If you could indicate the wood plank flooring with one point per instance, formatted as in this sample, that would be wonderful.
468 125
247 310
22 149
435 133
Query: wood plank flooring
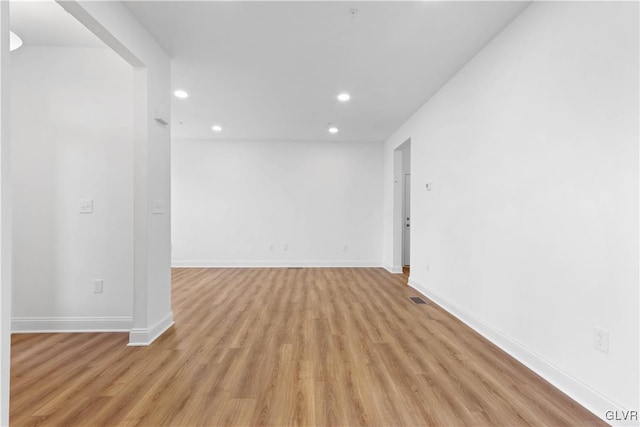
285 347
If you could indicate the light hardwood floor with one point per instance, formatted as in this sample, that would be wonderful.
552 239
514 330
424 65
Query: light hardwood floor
281 347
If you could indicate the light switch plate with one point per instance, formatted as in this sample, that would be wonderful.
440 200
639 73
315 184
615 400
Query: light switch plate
158 207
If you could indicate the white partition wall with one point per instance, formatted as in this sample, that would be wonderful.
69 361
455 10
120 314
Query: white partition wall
277 203
114 24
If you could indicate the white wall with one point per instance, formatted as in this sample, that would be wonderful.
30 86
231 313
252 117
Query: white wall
530 233
72 139
233 200
5 217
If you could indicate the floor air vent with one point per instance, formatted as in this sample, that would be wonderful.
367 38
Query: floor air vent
417 300
295 268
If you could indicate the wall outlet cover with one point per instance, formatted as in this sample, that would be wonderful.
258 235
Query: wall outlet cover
97 286
601 340
85 206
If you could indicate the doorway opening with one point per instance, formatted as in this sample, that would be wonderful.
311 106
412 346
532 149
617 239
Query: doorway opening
402 208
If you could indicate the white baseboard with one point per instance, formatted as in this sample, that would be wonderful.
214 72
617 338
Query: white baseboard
581 393
273 264
145 336
395 269
25 325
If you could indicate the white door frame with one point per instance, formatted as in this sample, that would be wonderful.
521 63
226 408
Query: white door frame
406 219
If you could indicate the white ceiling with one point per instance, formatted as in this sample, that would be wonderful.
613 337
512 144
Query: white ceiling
272 70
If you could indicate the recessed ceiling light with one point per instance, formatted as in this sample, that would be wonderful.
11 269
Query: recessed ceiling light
344 97
14 41
181 94
333 130
216 128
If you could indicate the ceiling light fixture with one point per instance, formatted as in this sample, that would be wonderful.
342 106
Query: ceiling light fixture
333 129
216 128
344 97
181 94
14 41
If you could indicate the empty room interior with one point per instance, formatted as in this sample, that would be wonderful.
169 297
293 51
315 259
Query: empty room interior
319 213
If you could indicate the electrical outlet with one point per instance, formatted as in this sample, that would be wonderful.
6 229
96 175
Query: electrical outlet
271 247
345 248
85 206
601 340
97 286
285 247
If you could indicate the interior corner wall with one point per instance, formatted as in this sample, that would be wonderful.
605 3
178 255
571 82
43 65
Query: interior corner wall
276 203
115 25
531 229
72 140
